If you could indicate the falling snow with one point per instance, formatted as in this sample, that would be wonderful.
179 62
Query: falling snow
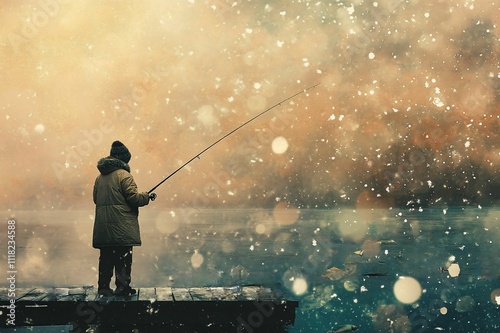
369 197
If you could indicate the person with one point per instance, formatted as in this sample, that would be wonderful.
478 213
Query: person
116 224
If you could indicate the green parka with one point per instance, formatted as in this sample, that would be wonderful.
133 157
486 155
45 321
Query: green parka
117 203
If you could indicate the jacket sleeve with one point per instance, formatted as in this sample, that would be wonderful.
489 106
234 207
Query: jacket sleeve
131 194
95 191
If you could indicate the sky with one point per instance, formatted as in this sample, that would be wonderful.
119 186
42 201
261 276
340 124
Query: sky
405 111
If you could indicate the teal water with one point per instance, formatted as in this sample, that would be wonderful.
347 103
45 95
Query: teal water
344 266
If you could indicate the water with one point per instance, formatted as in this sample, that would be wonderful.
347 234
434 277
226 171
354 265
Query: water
341 264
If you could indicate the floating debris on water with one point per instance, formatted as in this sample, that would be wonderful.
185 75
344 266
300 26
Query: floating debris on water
239 273
374 274
387 241
319 298
335 273
345 328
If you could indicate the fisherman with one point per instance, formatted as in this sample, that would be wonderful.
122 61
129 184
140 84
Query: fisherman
116 225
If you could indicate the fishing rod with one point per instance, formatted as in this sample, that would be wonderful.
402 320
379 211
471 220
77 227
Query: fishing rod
228 134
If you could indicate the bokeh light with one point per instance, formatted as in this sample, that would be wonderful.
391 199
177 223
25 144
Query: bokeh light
454 270
279 145
39 129
285 214
407 290
495 296
167 222
465 303
197 260
260 228
300 286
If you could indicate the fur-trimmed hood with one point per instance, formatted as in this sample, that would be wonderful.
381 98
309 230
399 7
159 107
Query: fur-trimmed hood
109 164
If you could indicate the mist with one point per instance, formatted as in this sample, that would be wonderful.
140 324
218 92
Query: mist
406 111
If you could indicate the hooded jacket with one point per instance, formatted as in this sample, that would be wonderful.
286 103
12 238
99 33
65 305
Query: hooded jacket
117 203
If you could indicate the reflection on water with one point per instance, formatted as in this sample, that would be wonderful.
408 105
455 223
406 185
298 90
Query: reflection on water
384 270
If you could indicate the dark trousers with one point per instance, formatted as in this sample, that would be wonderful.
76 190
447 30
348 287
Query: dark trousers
119 259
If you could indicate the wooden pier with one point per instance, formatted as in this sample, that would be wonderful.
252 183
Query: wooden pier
238 309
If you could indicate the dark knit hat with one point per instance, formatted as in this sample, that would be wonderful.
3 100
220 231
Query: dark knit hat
119 151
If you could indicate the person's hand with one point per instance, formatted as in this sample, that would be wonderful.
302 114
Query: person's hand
152 196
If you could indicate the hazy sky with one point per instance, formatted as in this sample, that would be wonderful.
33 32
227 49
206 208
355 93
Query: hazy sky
407 110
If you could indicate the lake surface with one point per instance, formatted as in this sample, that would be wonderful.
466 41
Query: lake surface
396 270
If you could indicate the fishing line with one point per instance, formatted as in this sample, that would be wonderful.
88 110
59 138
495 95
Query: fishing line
228 134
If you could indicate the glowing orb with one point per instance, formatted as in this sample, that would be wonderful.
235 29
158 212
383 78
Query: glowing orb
260 228
299 286
279 145
407 290
39 129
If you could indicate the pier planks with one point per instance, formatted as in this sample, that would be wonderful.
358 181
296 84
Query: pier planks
205 309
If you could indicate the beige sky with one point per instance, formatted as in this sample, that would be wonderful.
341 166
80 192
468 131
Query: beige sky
407 106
